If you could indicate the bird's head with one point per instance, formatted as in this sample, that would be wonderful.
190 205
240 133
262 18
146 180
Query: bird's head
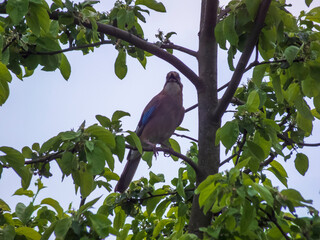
173 83
173 77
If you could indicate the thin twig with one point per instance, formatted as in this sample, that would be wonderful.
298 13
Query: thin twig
179 48
70 48
191 108
171 152
185 136
244 138
272 219
228 159
46 158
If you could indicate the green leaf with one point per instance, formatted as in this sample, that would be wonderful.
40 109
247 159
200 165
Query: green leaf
24 213
264 193
119 219
17 9
308 2
253 101
304 124
120 147
277 88
69 135
13 157
86 182
228 134
155 178
119 114
162 207
152 4
102 134
65 67
136 140
220 36
176 147
4 206
62 227
120 66
28 232
301 163
294 195
5 77
88 205
23 192
100 224
229 30
67 163
160 225
55 204
8 233
252 7
96 161
256 150
316 103
290 53
247 217
153 202
104 121
258 73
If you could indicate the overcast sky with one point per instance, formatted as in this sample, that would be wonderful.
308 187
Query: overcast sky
45 104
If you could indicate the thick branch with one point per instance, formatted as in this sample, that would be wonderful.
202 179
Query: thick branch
179 48
243 61
139 43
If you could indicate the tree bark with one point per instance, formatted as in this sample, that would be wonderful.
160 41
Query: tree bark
209 154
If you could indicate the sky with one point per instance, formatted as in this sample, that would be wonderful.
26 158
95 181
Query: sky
44 104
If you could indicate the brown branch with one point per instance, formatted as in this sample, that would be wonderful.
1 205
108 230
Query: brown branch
171 152
139 43
234 100
70 48
243 61
45 159
185 136
256 63
289 141
275 222
237 153
191 108
223 13
179 48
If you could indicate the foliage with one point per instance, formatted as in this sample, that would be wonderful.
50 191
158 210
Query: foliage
275 112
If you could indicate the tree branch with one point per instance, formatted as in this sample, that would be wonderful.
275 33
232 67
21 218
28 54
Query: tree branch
70 48
139 43
179 48
171 152
44 159
256 63
272 219
184 136
243 61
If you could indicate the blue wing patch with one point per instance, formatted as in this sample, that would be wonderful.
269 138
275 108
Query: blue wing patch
146 116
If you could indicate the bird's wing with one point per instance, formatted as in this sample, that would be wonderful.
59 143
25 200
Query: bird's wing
148 113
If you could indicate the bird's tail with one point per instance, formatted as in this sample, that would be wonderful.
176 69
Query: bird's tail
128 172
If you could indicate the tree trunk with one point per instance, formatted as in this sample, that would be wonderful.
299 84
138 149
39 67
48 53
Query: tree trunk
209 154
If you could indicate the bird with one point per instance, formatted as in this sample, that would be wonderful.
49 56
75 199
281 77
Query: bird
159 119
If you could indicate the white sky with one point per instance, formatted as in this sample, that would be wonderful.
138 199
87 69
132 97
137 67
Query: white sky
44 105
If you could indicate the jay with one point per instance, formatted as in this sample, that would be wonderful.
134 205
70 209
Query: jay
158 121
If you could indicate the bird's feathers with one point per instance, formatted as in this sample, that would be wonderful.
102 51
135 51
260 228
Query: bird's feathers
162 115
